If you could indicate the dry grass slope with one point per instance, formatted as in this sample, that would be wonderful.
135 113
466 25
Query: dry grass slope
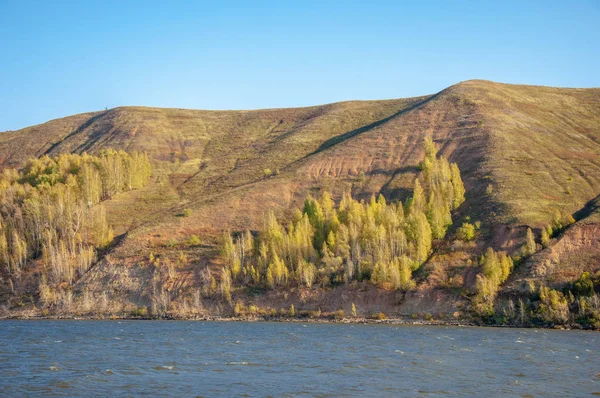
524 152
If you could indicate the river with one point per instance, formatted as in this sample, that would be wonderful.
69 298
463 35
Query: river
177 359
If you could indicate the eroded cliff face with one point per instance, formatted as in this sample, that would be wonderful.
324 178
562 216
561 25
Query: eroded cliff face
566 257
576 251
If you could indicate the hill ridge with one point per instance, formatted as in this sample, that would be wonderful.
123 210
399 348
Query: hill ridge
525 153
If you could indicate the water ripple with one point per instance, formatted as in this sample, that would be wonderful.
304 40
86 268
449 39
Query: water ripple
107 358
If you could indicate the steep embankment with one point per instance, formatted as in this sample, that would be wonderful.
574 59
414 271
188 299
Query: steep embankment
525 152
565 258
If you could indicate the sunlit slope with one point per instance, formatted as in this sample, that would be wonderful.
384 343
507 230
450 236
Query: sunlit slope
524 152
575 251
537 148
544 148
18 146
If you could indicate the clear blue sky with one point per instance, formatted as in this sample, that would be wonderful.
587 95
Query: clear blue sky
59 58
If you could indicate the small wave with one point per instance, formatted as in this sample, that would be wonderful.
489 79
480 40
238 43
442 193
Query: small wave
58 341
117 338
399 351
62 384
54 368
519 341
109 372
164 367
443 392
244 363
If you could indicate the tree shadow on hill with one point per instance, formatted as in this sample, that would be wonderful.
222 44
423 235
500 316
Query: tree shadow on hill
350 134
78 130
590 208
397 193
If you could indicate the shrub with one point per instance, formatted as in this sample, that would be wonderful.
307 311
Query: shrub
239 309
546 236
268 312
530 247
184 213
194 240
140 312
554 307
584 285
466 232
380 316
182 259
361 176
253 309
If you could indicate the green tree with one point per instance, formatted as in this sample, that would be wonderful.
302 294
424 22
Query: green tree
545 237
417 202
486 293
530 246
466 232
584 286
420 231
554 306
357 240
47 210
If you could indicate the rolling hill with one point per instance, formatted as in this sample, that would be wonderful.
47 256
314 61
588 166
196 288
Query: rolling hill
525 153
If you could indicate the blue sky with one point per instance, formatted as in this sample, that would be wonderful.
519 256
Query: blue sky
61 58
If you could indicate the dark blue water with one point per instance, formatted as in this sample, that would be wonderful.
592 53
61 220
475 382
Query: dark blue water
132 358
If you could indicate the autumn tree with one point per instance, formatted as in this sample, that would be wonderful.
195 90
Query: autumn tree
48 210
466 232
375 240
495 269
530 246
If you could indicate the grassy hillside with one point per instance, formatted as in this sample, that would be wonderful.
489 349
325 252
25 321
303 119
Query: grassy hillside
525 153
